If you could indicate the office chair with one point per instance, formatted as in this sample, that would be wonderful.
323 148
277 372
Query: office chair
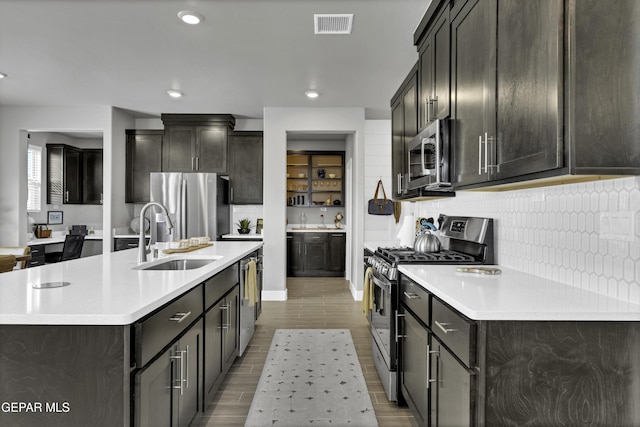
71 249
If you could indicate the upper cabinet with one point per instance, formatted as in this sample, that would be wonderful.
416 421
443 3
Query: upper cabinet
315 178
434 68
143 156
74 175
245 168
603 95
196 142
404 126
529 88
507 89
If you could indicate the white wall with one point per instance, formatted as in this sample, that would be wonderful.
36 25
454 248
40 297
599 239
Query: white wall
555 232
277 122
377 166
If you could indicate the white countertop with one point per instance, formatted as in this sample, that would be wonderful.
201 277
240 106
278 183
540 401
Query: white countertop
514 295
104 289
314 228
59 239
250 236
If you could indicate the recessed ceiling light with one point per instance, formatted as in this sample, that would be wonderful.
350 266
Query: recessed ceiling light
2 75
190 17
312 94
174 93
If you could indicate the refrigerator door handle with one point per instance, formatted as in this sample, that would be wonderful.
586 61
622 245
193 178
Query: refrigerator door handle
183 210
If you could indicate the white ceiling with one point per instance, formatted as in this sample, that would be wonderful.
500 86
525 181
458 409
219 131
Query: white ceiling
246 55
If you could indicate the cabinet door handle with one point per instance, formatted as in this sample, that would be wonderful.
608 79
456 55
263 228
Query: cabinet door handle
411 295
429 353
443 327
186 367
197 163
399 180
486 153
179 317
66 196
480 155
179 356
193 163
398 336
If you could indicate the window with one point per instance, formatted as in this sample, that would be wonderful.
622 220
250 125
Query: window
34 177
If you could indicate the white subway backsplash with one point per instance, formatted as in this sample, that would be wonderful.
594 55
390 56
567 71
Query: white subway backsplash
554 232
238 212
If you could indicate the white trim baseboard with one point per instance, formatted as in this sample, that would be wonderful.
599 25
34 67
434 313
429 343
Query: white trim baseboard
274 295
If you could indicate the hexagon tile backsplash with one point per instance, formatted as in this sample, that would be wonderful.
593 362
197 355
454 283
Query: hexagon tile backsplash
586 234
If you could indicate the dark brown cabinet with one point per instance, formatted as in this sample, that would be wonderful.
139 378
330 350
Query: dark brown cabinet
457 371
143 156
434 68
245 168
222 302
92 176
196 142
404 126
74 175
319 254
507 87
603 100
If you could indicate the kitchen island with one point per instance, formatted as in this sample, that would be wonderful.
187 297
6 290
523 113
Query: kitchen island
516 349
74 355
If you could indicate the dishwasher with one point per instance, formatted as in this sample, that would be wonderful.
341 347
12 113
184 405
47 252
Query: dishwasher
248 312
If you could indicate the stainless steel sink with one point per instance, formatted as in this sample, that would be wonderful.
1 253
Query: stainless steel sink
178 264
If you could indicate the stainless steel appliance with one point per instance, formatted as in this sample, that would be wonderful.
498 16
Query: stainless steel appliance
198 204
465 240
249 313
428 158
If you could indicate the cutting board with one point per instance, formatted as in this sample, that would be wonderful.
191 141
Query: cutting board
189 249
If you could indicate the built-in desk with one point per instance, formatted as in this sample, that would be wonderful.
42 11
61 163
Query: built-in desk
54 243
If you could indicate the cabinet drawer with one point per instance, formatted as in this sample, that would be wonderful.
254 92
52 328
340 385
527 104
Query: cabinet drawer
416 298
162 327
454 330
218 285
37 251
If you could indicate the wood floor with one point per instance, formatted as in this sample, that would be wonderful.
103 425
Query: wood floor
313 303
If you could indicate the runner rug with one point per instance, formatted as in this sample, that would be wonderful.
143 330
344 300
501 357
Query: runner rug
311 377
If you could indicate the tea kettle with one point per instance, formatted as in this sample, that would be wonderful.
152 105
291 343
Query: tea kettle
426 242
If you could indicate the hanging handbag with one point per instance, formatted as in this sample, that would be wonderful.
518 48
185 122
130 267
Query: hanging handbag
382 206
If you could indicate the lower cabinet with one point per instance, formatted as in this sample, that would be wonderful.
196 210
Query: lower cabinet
37 256
455 371
316 254
166 391
221 320
122 243
168 349
413 378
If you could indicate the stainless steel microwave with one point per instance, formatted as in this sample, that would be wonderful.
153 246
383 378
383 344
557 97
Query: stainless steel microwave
428 158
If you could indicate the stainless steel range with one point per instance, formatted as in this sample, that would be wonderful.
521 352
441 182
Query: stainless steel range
465 240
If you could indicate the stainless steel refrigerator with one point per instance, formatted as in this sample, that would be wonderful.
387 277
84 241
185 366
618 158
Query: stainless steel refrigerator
198 204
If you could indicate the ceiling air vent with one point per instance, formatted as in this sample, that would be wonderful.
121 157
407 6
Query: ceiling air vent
333 23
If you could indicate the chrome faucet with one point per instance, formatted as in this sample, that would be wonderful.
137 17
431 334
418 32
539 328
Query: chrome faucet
143 249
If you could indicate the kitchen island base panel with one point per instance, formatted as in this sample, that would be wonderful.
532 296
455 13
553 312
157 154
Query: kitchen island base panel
64 375
562 373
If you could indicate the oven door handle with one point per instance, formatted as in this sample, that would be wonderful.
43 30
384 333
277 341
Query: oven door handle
381 284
